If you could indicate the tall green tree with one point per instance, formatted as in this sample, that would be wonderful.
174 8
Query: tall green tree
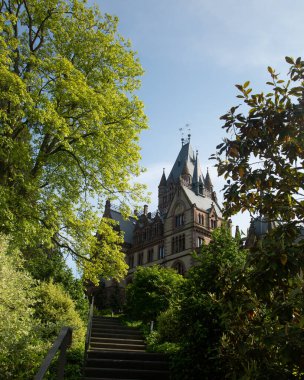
198 316
263 158
263 161
69 127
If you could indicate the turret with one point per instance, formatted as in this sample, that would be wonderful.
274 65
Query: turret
162 192
208 183
195 181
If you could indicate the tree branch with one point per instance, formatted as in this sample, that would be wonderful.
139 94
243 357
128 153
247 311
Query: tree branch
71 250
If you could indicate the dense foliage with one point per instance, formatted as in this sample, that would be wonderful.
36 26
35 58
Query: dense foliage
239 314
31 315
150 292
20 345
69 128
197 315
49 265
54 309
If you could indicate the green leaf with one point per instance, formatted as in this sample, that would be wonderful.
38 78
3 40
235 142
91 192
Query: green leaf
246 84
289 60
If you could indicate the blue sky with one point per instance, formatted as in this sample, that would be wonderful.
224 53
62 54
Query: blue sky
193 53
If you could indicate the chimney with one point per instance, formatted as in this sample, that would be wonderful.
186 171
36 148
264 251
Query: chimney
145 210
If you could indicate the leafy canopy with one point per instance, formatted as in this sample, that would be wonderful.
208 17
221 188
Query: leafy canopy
264 155
151 291
69 125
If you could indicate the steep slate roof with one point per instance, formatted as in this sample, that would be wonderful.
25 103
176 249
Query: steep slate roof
186 161
127 226
208 182
201 202
163 181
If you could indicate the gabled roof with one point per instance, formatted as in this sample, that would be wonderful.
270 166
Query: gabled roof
203 203
127 226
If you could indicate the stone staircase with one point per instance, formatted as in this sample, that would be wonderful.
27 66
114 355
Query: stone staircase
118 352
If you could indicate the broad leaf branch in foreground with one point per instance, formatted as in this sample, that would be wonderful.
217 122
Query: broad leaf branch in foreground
270 132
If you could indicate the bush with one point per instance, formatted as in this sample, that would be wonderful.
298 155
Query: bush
21 348
151 291
56 309
168 325
48 265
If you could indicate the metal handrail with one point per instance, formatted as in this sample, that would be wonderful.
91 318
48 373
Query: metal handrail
62 343
89 329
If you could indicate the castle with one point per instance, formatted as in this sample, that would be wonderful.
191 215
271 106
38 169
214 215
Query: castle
187 213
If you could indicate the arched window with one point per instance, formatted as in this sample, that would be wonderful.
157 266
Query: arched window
179 267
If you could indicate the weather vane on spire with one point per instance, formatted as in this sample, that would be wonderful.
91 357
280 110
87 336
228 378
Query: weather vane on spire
189 132
182 131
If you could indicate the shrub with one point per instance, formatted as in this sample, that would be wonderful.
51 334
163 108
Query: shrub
151 291
21 348
56 309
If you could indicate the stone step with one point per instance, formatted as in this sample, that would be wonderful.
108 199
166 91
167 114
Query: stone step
119 329
115 335
129 364
116 346
110 322
126 349
144 356
98 339
118 352
121 373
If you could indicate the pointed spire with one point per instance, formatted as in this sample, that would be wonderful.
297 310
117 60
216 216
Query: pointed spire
195 172
195 181
208 182
163 180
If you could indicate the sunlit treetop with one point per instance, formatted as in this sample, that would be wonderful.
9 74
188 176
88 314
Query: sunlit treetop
69 121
